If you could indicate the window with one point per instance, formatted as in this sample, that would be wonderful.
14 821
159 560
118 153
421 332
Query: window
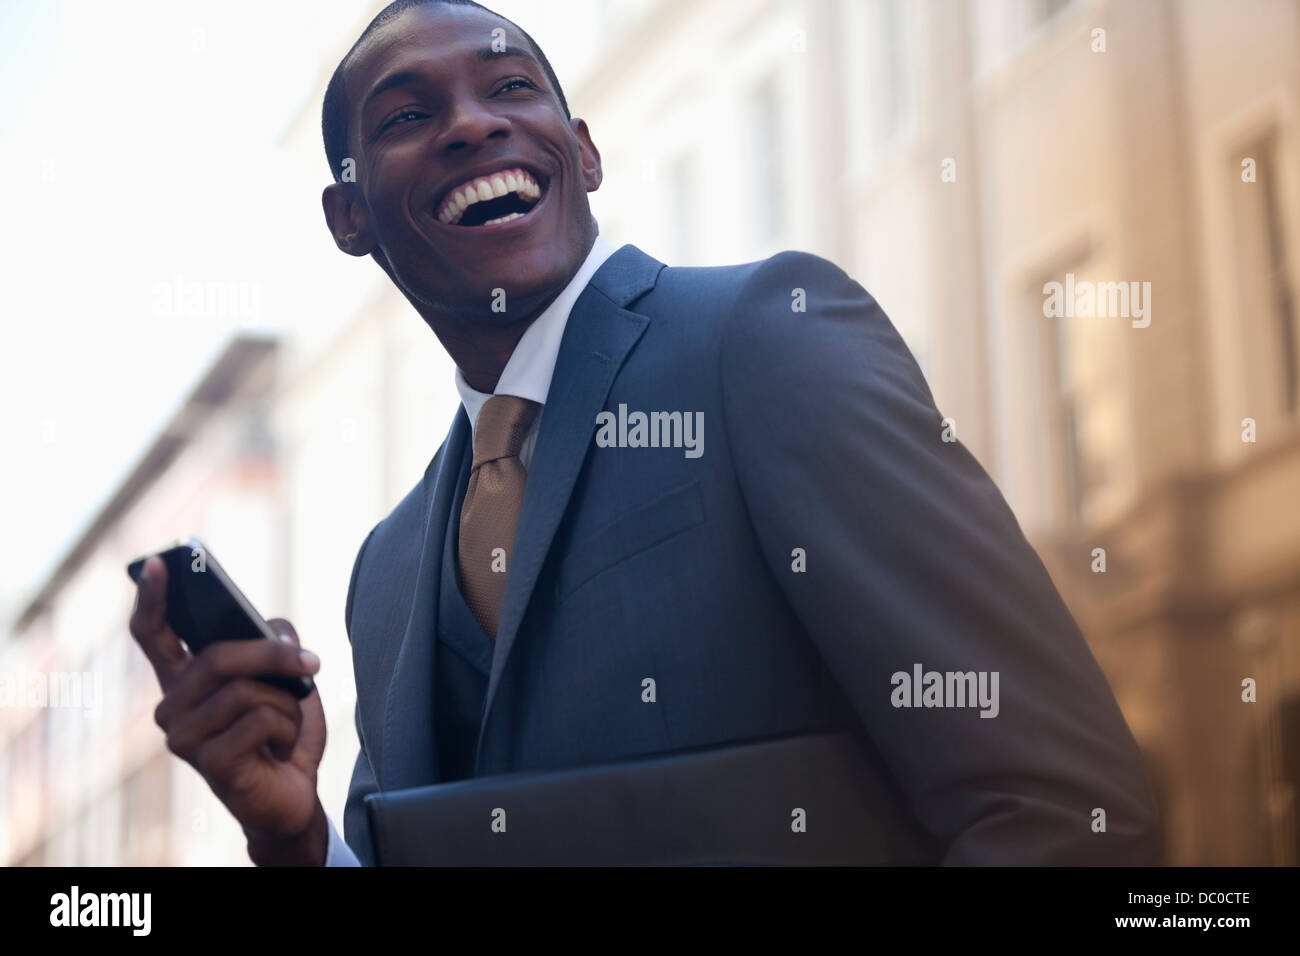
878 52
1004 30
1082 390
684 205
769 197
890 90
1082 472
1266 281
1040 11
146 813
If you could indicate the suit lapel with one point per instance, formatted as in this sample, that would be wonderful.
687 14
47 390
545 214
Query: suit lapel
410 756
597 338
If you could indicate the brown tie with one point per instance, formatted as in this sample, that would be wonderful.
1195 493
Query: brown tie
492 501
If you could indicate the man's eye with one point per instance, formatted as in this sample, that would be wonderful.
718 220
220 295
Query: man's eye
400 117
517 81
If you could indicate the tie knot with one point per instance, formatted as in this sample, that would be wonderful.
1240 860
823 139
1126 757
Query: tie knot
503 422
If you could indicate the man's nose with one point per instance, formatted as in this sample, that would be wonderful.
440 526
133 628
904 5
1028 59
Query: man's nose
470 125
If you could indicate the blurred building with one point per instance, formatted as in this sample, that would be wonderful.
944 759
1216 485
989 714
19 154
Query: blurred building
954 156
85 778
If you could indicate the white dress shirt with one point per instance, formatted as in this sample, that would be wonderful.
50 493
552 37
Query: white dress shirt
527 375
532 363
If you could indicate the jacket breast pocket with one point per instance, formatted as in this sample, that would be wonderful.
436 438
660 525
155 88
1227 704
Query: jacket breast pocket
673 512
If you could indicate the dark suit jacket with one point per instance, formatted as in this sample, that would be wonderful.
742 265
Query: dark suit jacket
639 562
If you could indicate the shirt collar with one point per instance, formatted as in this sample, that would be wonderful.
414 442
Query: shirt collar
532 364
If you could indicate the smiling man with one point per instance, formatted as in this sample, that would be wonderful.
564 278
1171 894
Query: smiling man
496 210
580 578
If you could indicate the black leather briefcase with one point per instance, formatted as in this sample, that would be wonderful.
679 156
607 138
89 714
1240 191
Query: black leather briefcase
799 800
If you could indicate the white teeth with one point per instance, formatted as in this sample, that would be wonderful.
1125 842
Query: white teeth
488 187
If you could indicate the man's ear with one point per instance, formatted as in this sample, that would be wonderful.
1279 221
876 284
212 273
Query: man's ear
348 219
591 171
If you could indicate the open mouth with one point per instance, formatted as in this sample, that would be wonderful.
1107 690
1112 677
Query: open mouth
494 199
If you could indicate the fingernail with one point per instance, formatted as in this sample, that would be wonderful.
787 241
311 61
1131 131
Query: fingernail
309 661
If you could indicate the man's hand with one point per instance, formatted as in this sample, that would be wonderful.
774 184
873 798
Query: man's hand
257 746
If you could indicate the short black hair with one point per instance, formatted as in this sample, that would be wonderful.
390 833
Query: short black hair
334 114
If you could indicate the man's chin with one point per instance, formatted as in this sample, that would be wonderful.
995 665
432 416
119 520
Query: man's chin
498 305
500 289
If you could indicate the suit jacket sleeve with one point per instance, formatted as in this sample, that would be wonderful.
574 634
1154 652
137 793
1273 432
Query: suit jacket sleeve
913 557
356 827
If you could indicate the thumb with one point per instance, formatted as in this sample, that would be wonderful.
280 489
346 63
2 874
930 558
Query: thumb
284 630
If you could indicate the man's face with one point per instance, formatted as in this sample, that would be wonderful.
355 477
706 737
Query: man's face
437 110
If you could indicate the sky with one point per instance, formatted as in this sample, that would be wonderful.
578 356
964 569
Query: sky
138 145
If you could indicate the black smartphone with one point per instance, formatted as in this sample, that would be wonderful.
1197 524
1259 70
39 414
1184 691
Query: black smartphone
204 606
